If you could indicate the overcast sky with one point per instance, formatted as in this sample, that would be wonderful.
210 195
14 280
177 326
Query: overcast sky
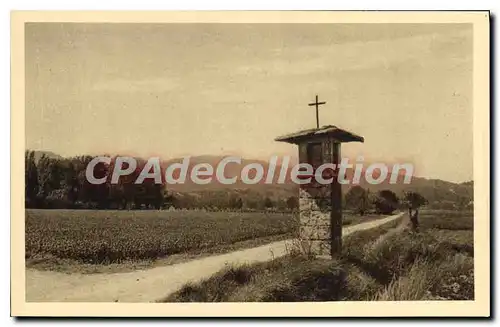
193 89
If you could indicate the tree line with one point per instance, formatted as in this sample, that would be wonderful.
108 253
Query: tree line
61 183
232 200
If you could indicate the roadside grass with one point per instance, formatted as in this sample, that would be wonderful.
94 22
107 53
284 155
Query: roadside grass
386 263
290 278
411 286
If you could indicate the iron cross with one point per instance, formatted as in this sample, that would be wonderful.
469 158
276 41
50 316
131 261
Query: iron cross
317 104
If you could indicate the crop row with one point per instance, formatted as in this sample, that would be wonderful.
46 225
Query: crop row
116 236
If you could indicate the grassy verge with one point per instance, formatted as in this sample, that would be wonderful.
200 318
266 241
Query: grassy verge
385 263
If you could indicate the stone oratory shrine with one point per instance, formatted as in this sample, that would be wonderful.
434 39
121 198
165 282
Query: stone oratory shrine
320 205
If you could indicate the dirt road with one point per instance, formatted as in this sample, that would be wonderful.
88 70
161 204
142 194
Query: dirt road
151 284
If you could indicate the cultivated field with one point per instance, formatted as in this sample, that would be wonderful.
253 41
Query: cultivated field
104 241
107 237
385 263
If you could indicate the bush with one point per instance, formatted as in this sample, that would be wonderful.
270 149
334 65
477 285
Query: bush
386 202
357 200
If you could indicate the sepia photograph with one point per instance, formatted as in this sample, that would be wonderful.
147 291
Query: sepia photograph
333 162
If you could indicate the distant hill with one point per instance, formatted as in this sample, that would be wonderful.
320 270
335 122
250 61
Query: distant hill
232 170
431 189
